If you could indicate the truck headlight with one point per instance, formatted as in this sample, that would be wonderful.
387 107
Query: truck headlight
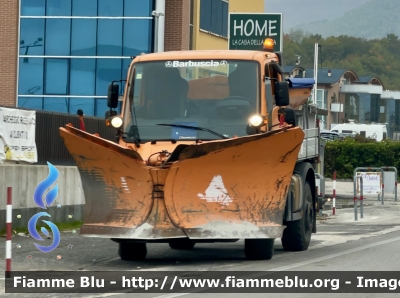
116 122
256 121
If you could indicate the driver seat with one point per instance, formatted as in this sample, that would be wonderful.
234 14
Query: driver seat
166 92
243 81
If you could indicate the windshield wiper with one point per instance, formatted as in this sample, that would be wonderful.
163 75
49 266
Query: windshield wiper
196 128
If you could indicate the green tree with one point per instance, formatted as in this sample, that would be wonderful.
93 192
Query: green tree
379 58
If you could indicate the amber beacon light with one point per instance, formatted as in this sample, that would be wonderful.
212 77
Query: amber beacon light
268 45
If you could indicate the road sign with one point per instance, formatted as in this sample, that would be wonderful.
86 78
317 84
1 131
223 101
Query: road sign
372 182
247 31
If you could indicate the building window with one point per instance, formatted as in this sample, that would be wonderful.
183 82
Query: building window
214 16
321 98
396 116
362 107
322 95
70 51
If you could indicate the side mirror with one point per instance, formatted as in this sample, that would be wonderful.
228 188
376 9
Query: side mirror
290 116
112 96
282 93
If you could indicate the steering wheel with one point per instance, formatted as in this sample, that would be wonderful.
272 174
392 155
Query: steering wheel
237 97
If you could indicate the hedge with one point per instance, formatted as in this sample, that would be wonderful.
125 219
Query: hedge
346 155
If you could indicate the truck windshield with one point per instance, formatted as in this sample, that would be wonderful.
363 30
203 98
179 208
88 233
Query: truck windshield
218 95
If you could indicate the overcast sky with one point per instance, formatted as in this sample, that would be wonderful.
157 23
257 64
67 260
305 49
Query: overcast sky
296 12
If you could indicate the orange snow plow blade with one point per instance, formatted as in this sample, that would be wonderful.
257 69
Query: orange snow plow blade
116 183
233 188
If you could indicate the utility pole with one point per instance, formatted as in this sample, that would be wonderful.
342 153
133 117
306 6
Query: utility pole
316 81
156 15
315 73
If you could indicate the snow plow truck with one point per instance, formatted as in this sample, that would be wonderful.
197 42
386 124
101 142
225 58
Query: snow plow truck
211 146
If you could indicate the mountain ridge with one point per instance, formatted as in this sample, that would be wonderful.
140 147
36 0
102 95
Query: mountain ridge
373 20
296 12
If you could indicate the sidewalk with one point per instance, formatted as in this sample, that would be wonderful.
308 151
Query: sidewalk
345 195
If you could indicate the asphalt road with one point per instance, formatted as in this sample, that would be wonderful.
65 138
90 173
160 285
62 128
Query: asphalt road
341 244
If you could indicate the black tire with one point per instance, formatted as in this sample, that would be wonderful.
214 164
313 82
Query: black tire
182 244
259 249
132 251
297 234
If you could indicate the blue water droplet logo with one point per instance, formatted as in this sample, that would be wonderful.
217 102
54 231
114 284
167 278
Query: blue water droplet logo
44 203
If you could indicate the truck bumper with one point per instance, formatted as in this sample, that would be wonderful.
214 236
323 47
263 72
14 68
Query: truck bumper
216 230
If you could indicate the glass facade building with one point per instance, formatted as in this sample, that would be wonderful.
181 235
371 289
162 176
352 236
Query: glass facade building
392 116
363 107
70 50
371 108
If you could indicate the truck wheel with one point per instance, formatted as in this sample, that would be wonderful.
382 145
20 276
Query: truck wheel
182 244
297 235
259 249
132 251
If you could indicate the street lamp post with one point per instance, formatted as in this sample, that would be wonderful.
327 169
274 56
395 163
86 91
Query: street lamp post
316 80
156 15
315 73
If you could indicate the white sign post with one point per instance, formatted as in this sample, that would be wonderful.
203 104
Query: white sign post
372 182
17 135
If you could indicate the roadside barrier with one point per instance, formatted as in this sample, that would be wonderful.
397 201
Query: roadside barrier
360 178
334 194
373 182
8 232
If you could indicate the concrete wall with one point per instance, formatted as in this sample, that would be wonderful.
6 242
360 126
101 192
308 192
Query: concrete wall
24 179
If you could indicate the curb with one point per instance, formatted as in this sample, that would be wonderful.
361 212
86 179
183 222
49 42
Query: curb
351 198
338 180
344 205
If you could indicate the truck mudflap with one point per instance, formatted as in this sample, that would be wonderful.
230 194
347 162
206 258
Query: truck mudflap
226 189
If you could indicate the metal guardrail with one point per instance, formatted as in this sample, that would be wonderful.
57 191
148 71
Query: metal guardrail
361 197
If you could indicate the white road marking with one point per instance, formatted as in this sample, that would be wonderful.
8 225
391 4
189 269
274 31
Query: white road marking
346 252
105 295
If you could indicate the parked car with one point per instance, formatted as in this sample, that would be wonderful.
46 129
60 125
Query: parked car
330 136
373 131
